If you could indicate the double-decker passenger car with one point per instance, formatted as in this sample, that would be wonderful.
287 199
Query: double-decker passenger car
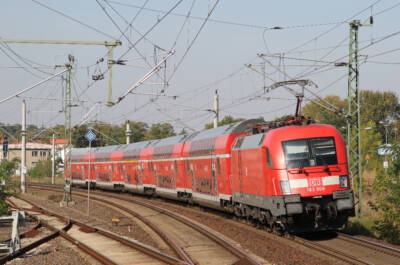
290 175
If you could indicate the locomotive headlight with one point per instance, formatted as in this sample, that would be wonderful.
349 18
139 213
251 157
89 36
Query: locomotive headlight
285 186
344 182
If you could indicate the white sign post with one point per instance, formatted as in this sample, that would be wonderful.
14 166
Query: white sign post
90 136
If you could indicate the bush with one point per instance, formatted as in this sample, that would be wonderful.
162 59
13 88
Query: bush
41 170
387 185
7 168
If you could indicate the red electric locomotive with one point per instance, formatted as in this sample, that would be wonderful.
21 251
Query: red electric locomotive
290 175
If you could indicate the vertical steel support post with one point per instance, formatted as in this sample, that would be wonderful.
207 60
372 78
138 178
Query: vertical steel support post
23 149
110 63
89 180
53 161
68 104
353 113
216 109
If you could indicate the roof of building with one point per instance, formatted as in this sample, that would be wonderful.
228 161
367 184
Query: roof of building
60 141
31 146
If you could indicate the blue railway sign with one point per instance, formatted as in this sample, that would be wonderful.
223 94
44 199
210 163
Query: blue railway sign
90 136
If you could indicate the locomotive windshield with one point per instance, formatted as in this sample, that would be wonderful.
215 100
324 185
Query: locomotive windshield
310 152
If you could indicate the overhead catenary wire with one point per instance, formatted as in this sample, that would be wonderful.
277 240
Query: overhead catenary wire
123 32
220 21
129 24
24 60
210 88
334 27
74 19
305 73
183 24
194 39
175 119
19 65
139 40
33 86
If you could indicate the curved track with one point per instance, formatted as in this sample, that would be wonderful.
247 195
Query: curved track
200 244
353 250
106 247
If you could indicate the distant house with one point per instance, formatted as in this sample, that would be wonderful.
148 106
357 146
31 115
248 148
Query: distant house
35 152
60 144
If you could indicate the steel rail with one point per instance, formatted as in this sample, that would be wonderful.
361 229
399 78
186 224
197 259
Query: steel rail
243 256
31 246
56 233
27 233
347 258
372 245
168 240
101 258
203 230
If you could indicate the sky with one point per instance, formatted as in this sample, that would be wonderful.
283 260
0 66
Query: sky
300 40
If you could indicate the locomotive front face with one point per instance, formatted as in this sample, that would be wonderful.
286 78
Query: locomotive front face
311 166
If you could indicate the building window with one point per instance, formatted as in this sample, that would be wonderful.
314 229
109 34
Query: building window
42 153
34 153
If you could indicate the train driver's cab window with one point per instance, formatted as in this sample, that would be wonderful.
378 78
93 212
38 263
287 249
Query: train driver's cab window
310 152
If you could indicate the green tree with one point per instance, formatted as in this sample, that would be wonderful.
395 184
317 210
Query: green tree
183 132
159 131
42 169
371 139
322 115
226 120
139 130
387 186
378 106
79 140
7 168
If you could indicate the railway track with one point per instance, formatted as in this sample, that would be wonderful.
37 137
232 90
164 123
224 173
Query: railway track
104 246
371 245
337 247
353 250
194 243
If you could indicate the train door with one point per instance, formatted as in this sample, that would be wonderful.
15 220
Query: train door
110 168
191 171
83 172
214 175
140 175
124 174
155 175
173 175
96 172
240 172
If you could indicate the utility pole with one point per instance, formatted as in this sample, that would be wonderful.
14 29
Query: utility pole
23 151
110 46
353 111
128 133
216 109
53 161
67 132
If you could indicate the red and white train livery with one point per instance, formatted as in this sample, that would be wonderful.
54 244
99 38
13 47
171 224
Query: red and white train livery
290 175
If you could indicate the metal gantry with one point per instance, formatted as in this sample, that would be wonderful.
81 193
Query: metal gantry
109 44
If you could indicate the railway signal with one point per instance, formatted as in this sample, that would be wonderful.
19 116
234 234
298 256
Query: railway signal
90 136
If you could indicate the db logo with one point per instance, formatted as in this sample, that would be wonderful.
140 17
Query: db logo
315 182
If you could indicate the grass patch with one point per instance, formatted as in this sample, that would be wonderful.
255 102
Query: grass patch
363 226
